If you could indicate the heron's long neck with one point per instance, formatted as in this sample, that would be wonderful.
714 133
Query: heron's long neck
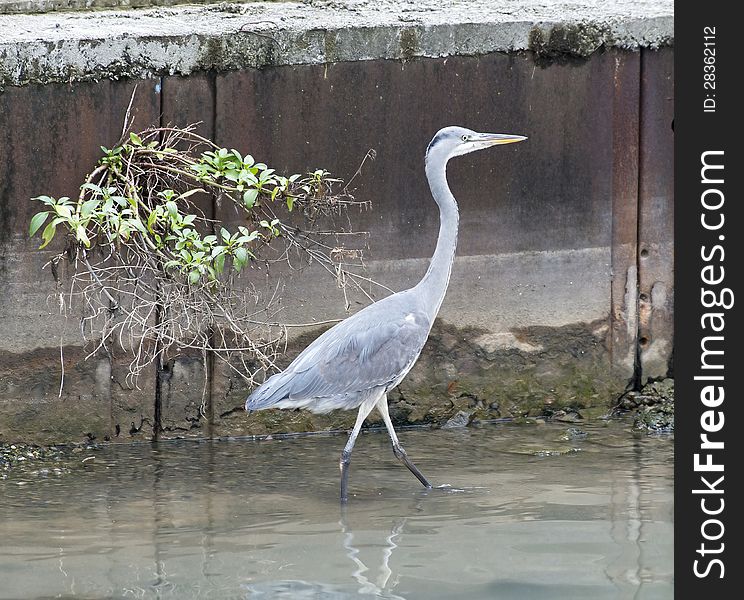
434 283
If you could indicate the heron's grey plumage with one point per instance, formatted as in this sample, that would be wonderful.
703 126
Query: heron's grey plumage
356 362
374 348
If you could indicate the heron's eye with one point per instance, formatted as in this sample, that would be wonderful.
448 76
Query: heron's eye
465 138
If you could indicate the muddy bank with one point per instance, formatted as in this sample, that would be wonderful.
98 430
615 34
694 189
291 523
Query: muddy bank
29 461
466 375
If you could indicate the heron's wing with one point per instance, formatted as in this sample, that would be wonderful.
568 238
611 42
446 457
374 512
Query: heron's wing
353 357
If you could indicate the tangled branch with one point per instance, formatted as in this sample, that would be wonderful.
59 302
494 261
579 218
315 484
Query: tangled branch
156 276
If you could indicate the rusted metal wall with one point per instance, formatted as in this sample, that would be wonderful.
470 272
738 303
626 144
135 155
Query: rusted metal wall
656 215
49 139
564 273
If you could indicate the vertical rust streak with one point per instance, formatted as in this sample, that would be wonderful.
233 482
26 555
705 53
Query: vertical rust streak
157 425
637 368
210 358
625 125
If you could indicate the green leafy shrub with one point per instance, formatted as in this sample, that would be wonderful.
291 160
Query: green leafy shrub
155 275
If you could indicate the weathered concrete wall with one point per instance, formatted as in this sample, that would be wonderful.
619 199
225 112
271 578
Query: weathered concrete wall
562 290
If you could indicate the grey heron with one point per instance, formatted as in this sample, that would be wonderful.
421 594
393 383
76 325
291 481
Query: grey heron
359 360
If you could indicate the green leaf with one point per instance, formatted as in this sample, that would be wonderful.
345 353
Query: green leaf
190 193
82 236
92 187
63 210
135 139
219 263
248 237
46 200
88 207
136 223
48 234
249 198
194 277
172 209
151 220
241 257
290 203
36 222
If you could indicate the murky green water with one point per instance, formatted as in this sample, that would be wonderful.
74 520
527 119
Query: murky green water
526 512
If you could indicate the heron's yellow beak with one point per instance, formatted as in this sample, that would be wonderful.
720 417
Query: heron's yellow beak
493 139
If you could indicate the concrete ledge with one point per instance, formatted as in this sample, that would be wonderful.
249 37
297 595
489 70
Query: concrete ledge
10 7
68 47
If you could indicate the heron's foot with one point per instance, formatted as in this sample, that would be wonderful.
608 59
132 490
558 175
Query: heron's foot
344 466
401 455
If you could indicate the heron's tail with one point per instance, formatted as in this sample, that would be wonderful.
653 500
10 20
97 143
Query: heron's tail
265 395
272 393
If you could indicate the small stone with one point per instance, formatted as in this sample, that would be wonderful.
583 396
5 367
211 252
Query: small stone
575 433
461 419
569 417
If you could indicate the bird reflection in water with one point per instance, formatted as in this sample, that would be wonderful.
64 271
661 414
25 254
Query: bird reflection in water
382 586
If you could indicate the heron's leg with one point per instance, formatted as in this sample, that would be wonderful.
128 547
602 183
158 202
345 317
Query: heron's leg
364 410
400 454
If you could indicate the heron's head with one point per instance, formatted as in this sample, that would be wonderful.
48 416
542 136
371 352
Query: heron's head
454 141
